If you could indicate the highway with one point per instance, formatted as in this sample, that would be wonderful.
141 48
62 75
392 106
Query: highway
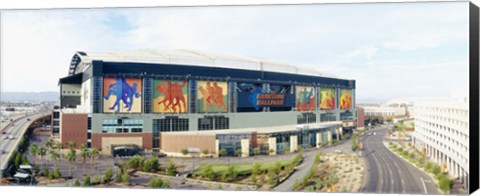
388 173
17 131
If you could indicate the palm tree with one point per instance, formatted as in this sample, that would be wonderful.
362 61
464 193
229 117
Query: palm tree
59 145
49 144
71 157
72 145
93 153
42 151
55 157
83 153
34 152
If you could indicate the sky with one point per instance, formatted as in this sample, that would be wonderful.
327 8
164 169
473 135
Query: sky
391 49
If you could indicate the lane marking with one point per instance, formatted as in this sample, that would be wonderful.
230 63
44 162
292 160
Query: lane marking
424 186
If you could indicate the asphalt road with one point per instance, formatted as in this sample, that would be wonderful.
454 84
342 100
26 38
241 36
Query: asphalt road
16 131
388 173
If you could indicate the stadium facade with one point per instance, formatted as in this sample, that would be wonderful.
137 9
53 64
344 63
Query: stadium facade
166 101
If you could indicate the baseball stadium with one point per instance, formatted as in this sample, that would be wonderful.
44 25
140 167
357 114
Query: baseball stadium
168 101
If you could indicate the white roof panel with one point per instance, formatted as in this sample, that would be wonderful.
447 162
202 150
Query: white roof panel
197 58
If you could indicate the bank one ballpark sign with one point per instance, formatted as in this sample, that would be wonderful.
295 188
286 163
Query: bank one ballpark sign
259 99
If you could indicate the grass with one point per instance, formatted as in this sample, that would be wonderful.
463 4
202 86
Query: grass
243 169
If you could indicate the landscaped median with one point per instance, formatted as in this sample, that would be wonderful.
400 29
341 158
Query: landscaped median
264 175
332 172
415 157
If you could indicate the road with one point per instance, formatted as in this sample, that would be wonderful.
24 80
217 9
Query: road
388 173
17 131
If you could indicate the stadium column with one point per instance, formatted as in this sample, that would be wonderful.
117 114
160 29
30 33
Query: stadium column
272 145
293 143
245 147
319 139
329 137
217 146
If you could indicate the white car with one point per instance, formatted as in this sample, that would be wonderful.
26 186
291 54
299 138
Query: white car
11 137
338 151
5 137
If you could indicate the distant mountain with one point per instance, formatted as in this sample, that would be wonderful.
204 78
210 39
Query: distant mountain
30 96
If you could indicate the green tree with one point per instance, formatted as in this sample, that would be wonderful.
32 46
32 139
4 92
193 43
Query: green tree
108 175
54 156
83 154
86 181
72 145
45 172
34 152
93 153
49 144
42 152
256 151
436 169
18 159
71 157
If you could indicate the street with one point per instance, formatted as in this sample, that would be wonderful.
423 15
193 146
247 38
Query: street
388 173
16 131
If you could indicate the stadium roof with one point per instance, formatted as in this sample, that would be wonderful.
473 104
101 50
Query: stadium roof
192 57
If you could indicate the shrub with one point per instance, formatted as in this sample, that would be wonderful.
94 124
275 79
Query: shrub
57 174
155 183
86 181
296 186
256 168
171 170
126 178
50 175
232 172
96 179
108 175
118 177
45 172
76 182
151 165
436 169
444 184
253 178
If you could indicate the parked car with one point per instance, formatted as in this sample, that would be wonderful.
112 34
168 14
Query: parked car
5 137
338 151
4 132
2 152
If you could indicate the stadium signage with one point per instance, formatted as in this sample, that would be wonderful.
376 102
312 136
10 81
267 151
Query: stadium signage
270 99
258 98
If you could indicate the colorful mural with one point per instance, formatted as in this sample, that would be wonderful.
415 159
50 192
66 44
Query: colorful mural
212 96
170 96
305 98
345 99
327 98
122 95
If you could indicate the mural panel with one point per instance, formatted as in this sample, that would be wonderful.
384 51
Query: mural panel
327 98
212 96
170 96
122 95
305 98
345 102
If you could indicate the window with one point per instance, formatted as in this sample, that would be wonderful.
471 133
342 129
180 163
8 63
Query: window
205 123
221 123
136 130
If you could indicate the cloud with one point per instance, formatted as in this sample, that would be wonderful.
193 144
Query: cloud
390 49
365 51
